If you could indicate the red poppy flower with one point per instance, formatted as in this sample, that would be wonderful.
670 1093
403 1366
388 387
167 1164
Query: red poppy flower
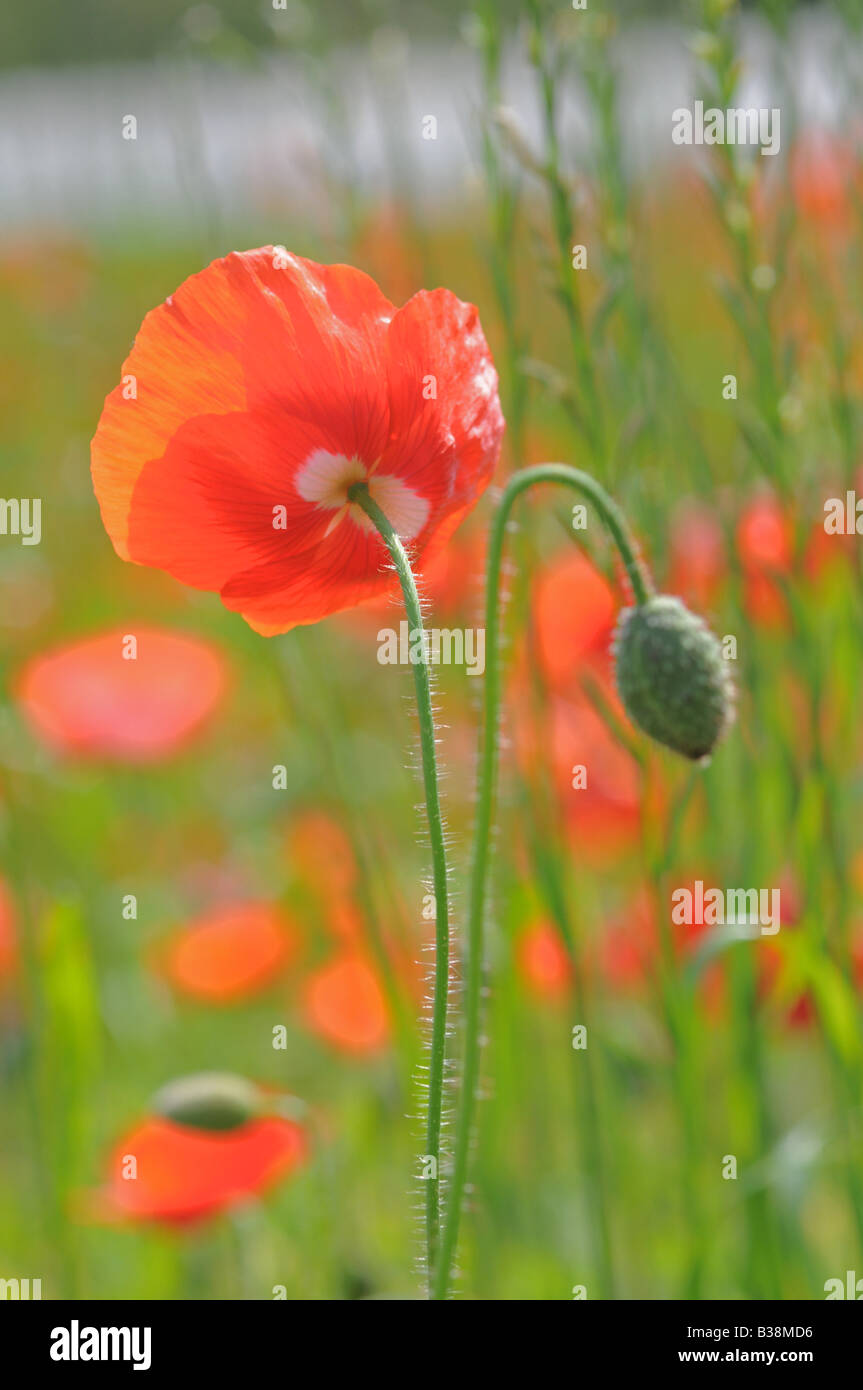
628 945
822 180
345 1005
452 581
253 399
166 1172
543 962
825 553
231 953
8 942
574 611
698 563
323 854
93 699
765 542
629 948
596 779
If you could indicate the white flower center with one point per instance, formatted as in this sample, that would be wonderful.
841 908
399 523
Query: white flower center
325 478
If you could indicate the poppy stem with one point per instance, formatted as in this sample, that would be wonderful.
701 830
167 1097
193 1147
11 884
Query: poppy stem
359 494
642 588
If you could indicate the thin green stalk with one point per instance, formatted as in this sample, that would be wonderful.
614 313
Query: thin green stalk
614 521
359 493
554 896
677 1002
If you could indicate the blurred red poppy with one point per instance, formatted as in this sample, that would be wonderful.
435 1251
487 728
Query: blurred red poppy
543 963
698 564
344 1005
822 180
574 610
92 699
321 853
452 580
595 777
256 396
765 544
825 552
230 953
169 1173
797 1005
627 946
8 940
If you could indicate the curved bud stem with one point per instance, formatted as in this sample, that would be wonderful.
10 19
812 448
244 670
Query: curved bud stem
360 495
642 587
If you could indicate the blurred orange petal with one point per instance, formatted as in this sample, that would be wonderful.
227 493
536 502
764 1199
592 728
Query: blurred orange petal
596 778
574 610
230 953
322 853
765 545
698 564
543 963
822 173
8 941
165 1172
88 699
345 1005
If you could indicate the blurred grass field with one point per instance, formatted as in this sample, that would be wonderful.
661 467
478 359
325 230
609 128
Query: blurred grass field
701 1047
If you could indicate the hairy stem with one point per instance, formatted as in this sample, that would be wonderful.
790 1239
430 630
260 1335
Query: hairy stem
639 579
360 495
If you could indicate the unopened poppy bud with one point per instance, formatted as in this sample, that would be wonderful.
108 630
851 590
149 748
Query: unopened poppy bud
672 676
209 1100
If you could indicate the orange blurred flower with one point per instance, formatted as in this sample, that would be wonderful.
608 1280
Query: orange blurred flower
765 544
825 552
170 1173
452 579
8 940
627 945
91 699
231 952
344 1004
321 853
698 563
823 170
596 779
542 961
574 610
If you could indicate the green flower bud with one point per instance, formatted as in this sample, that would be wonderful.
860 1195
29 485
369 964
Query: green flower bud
209 1100
672 677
